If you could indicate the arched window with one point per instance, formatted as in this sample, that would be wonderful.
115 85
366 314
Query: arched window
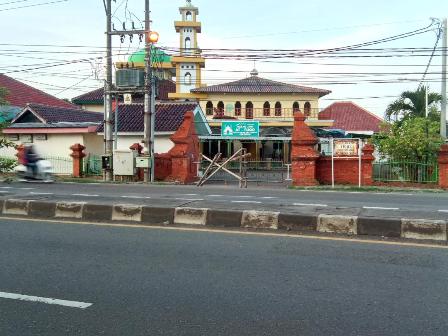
266 109
188 16
187 43
249 110
295 107
187 79
278 109
209 108
307 109
221 107
237 109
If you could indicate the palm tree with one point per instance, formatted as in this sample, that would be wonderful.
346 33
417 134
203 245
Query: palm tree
412 104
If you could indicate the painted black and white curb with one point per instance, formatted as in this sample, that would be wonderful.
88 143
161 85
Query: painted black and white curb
425 229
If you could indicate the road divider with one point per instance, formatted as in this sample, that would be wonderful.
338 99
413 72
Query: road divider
304 219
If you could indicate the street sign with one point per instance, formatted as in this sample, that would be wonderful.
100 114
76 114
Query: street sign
346 147
240 129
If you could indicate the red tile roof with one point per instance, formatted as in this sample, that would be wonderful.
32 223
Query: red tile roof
165 86
51 114
351 117
255 84
21 94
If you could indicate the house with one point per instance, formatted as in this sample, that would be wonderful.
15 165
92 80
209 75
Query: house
21 94
352 119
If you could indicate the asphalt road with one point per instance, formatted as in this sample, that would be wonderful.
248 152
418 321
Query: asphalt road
170 282
402 204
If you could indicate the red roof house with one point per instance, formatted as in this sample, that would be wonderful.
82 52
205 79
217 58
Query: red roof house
351 118
21 94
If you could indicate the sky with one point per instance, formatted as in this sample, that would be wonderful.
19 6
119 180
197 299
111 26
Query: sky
58 46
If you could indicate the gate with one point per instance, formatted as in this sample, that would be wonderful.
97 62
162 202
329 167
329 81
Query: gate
402 171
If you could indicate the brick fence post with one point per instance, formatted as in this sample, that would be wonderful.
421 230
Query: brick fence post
303 153
20 154
77 155
140 171
367 164
443 166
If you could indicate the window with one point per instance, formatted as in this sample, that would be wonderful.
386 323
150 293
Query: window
187 43
188 16
249 110
278 109
295 107
209 108
237 109
187 79
220 107
307 109
266 109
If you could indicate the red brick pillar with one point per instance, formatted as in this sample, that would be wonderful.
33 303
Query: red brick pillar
303 153
367 164
77 155
443 166
140 171
185 152
20 154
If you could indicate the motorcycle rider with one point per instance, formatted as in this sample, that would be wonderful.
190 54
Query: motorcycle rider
31 158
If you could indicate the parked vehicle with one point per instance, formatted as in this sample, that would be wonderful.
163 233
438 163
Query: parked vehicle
43 171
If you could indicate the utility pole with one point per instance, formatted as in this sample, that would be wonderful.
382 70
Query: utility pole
147 144
108 141
444 56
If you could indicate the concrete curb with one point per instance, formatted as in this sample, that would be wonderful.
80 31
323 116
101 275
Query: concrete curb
408 228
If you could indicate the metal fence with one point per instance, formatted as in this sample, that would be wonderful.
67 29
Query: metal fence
416 172
61 165
92 165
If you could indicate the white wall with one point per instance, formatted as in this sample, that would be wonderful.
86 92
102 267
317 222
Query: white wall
191 68
162 142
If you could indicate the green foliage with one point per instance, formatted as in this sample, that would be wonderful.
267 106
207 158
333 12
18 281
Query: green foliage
412 104
3 94
7 164
413 139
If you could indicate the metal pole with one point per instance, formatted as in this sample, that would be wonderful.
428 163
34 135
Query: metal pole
108 142
444 56
426 101
332 162
116 122
147 111
152 116
359 162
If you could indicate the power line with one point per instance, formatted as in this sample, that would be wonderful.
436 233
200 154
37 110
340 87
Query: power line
34 5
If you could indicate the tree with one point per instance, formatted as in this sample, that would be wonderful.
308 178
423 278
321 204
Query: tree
412 104
414 139
6 164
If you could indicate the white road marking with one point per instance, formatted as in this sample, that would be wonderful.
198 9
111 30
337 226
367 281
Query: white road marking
188 194
26 188
255 202
5 187
269 197
188 199
310 204
215 195
3 192
65 303
137 197
379 208
86 195
40 193
244 196
443 211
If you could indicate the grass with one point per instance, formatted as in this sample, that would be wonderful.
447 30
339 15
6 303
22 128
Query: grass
369 189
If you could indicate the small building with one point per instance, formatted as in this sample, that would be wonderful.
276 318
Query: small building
21 94
353 119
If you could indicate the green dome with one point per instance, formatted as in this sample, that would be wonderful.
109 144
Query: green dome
139 56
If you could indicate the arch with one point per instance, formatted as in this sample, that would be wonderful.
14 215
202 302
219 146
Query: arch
307 109
266 109
187 43
237 109
249 110
278 109
220 106
187 79
295 107
209 108
188 16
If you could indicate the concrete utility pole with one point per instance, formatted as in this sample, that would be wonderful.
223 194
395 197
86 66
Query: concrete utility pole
108 141
147 144
444 56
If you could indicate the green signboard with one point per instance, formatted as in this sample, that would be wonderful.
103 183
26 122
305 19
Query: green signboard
240 129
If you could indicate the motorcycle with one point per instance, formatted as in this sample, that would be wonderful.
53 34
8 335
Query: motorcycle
44 172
